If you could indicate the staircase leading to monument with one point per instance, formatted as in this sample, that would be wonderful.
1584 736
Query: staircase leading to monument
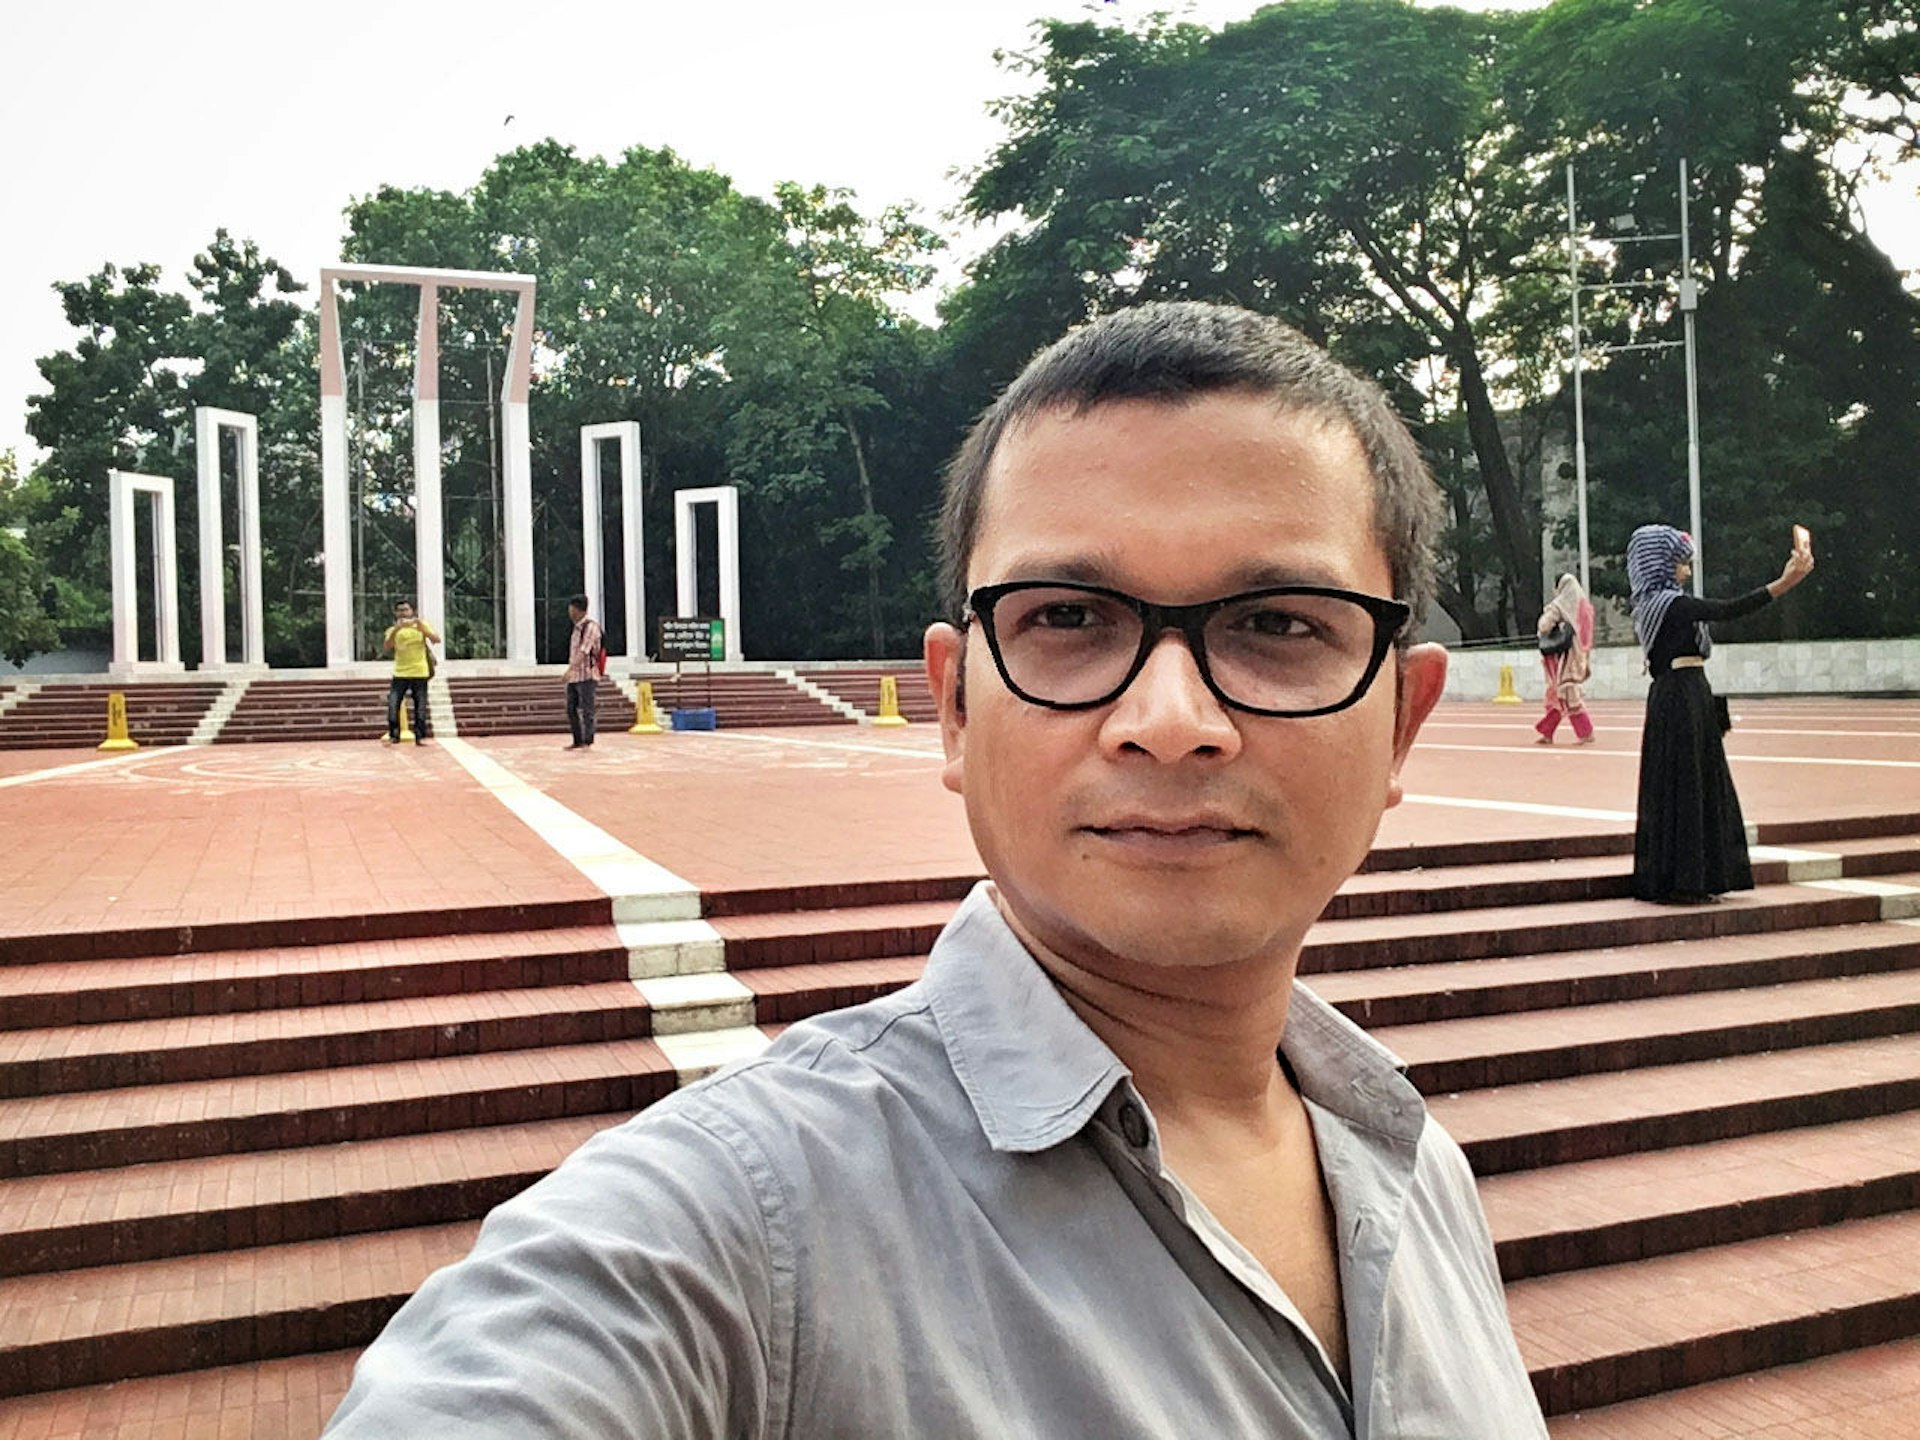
311 709
159 712
860 688
527 705
742 699
1697 1130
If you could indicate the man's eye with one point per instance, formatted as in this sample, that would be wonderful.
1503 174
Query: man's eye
1064 615
1278 624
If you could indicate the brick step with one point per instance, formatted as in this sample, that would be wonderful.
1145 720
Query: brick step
47 1134
116 1322
222 982
1880 855
808 937
836 895
270 1197
1442 889
72 1058
1378 941
785 993
1414 994
1595 1337
1471 1054
1815 832
286 1399
1590 1117
1867 1394
323 935
1628 1207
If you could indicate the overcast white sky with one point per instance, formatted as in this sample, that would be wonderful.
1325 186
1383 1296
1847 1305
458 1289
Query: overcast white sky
131 129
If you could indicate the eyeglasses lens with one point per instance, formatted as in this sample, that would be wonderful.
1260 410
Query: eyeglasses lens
1066 646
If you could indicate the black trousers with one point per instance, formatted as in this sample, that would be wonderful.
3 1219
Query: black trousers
397 689
581 696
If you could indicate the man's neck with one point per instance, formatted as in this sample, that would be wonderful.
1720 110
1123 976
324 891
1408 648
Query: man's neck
1202 1044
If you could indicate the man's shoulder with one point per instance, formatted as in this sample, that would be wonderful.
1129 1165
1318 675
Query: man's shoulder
881 1065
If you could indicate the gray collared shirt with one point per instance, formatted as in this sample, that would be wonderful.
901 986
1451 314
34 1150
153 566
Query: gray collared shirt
944 1214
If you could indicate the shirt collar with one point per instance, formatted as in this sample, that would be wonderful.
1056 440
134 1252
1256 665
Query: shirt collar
1035 1074
1032 1069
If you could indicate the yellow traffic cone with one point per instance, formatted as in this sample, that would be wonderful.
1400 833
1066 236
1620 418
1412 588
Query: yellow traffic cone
889 703
645 721
406 719
1508 695
117 737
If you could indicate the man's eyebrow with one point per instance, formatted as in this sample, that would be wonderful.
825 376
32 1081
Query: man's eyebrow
1092 570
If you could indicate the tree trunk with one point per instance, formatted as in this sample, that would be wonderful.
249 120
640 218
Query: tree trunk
874 617
1513 529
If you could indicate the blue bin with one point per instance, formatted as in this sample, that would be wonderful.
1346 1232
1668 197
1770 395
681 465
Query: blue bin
708 719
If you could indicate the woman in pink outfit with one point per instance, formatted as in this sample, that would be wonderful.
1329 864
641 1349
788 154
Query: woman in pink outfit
1566 654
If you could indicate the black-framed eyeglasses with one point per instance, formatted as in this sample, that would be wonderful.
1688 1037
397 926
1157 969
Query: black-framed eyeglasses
1288 651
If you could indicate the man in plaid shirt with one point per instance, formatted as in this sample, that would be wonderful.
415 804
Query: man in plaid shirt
584 651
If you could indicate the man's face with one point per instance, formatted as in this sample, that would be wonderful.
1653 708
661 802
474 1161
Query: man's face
402 614
1165 829
576 614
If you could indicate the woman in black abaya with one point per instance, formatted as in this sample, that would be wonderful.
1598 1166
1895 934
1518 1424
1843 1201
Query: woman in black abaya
1690 845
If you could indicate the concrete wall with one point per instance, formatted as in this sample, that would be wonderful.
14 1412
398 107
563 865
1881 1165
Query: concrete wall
1787 667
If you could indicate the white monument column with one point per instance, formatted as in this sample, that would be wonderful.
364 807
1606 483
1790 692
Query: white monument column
592 527
122 486
516 456
686 561
208 423
429 545
429 524
336 535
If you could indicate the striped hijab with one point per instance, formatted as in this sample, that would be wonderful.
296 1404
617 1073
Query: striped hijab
1652 551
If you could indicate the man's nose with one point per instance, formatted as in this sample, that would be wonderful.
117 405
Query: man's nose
1168 711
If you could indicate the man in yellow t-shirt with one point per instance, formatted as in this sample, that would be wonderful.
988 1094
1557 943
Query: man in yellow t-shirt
407 640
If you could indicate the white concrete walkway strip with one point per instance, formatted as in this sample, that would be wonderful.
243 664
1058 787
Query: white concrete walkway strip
916 752
641 889
1897 902
703 1052
1519 807
1634 754
80 767
672 947
684 1003
1802 865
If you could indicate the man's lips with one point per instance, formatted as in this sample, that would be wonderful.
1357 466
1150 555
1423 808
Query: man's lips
1206 828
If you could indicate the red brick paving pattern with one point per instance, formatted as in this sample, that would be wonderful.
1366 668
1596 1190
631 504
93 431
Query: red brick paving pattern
1871 1394
204 836
276 1400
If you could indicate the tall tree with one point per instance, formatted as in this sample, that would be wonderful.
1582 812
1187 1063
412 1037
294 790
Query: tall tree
1334 161
26 629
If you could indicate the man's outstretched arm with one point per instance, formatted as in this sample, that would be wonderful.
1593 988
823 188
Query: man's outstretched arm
632 1292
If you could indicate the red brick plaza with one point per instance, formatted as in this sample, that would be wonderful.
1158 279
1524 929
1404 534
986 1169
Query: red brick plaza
279 1023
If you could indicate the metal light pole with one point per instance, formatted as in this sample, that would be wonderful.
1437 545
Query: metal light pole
1579 408
1689 302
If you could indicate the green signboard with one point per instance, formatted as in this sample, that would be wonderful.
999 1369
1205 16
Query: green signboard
692 637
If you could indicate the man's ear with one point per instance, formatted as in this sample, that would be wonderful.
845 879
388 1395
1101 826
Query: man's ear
945 652
1422 678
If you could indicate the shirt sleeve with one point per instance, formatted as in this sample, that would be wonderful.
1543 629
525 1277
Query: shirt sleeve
635 1291
1687 609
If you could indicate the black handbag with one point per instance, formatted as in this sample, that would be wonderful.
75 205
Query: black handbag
1558 640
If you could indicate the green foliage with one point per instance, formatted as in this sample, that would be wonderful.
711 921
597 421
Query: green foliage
26 629
1389 177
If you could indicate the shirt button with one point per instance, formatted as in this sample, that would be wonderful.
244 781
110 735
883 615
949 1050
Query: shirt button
1133 1125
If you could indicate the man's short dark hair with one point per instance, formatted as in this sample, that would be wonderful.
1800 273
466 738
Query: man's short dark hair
577 602
1174 351
403 605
